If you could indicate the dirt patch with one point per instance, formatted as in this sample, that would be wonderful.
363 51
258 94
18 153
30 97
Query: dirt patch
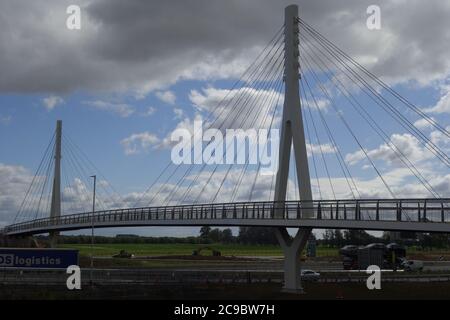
196 258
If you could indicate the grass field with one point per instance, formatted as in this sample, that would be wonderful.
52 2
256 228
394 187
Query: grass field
238 250
186 249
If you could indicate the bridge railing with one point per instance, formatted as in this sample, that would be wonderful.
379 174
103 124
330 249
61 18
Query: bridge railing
417 210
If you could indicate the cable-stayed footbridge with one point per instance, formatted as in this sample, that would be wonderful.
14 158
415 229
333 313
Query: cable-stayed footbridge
298 83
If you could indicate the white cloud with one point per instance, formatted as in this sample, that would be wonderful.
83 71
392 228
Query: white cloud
5 120
51 102
355 157
187 124
323 148
424 123
399 180
440 139
14 181
226 117
322 104
121 109
229 111
77 195
14 185
443 105
178 113
166 96
150 111
408 145
209 98
207 47
139 142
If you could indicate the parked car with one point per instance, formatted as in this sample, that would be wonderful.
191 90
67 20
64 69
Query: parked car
310 275
412 265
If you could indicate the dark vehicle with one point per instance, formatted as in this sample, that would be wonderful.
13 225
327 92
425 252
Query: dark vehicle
310 275
395 255
350 263
123 254
349 250
215 253
376 246
350 257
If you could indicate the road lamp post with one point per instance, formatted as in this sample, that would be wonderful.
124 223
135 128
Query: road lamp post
92 226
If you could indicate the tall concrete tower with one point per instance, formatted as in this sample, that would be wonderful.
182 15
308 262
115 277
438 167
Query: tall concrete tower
55 211
292 133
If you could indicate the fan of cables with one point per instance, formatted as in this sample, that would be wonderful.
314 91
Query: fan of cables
76 185
328 72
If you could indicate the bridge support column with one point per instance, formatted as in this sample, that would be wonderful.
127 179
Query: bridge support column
55 211
292 134
292 249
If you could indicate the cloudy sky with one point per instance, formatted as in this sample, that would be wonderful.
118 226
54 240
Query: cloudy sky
136 70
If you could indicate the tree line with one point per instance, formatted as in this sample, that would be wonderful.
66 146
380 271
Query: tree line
264 236
207 235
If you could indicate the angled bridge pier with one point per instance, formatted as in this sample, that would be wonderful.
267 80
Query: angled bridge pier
292 249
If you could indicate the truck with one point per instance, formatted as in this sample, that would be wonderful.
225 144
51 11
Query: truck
360 257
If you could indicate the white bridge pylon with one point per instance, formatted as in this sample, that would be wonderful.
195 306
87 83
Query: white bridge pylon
292 133
55 210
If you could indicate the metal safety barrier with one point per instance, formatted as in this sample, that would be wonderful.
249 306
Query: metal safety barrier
398 210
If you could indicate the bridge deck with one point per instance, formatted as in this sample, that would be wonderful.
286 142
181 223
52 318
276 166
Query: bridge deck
427 215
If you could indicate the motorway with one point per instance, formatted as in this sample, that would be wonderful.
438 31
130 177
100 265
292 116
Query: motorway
274 264
160 277
267 271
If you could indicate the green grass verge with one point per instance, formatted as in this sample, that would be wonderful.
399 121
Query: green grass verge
185 249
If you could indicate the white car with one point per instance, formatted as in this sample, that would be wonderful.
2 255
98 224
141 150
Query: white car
310 275
412 265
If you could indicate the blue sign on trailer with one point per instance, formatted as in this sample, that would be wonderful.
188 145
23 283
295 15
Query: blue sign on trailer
37 258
